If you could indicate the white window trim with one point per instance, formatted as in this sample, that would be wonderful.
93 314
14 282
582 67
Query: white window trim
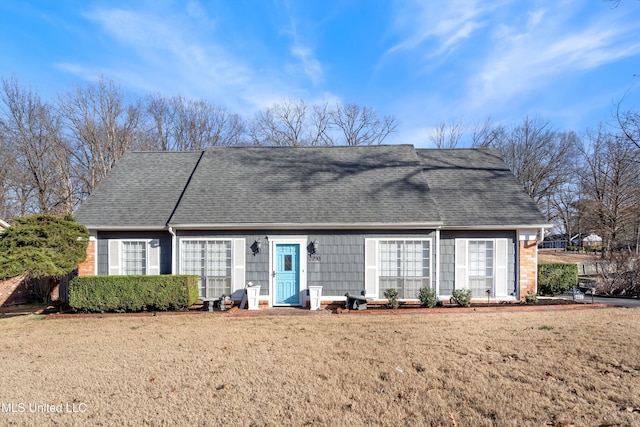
237 251
372 273
146 253
148 243
498 268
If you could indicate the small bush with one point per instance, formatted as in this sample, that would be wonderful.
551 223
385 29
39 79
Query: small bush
531 297
392 298
427 297
573 248
132 293
556 278
462 297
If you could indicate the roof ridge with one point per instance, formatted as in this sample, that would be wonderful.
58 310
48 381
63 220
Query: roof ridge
184 189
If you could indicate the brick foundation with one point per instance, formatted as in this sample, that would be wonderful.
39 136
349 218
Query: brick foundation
88 266
528 268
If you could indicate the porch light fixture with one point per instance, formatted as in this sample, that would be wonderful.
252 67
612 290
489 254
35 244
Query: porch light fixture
256 246
314 246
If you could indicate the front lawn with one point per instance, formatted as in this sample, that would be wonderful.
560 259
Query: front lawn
511 368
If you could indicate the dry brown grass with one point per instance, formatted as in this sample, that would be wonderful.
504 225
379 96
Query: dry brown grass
559 255
517 368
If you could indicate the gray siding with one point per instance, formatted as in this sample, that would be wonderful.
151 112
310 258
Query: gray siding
447 255
103 251
338 266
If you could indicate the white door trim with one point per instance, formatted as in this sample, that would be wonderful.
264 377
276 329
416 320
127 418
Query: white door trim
303 242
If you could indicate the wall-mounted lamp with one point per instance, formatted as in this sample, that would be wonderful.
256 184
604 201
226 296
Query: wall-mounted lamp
256 246
313 246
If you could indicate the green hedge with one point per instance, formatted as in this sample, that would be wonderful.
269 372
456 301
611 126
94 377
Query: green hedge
132 293
556 278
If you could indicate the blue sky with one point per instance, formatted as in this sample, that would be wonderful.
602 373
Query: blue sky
566 61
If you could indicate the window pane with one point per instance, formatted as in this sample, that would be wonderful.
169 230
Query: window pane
404 266
481 268
288 263
211 261
134 258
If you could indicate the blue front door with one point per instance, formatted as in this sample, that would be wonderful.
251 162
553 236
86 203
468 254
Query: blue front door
287 274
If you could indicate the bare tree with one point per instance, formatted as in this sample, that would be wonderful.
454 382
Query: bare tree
320 124
291 123
182 124
6 165
564 207
448 135
361 125
33 130
157 134
610 179
629 124
101 127
296 123
200 124
539 156
485 134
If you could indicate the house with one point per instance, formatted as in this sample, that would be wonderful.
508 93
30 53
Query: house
592 241
349 219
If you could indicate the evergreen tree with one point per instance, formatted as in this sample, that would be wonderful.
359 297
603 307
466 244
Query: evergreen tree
42 246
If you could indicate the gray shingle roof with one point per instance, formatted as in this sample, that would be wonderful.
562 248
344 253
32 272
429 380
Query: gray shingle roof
255 186
476 188
310 185
141 190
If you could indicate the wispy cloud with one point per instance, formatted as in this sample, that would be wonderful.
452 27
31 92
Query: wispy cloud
437 28
549 48
507 59
301 50
181 50
311 66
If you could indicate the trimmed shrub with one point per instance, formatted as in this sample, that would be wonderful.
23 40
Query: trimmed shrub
427 297
462 297
132 293
556 278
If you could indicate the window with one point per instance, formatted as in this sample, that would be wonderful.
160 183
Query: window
134 257
483 265
211 261
481 275
405 266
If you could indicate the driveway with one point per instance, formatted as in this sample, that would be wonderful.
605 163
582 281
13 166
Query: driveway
618 302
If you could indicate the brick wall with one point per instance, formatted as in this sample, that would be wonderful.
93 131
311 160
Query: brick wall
14 291
88 266
528 268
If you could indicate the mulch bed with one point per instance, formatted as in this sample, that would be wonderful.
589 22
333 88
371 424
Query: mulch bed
54 312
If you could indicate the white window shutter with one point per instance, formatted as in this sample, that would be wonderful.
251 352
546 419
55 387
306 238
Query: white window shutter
238 262
114 257
153 257
502 246
370 267
460 280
